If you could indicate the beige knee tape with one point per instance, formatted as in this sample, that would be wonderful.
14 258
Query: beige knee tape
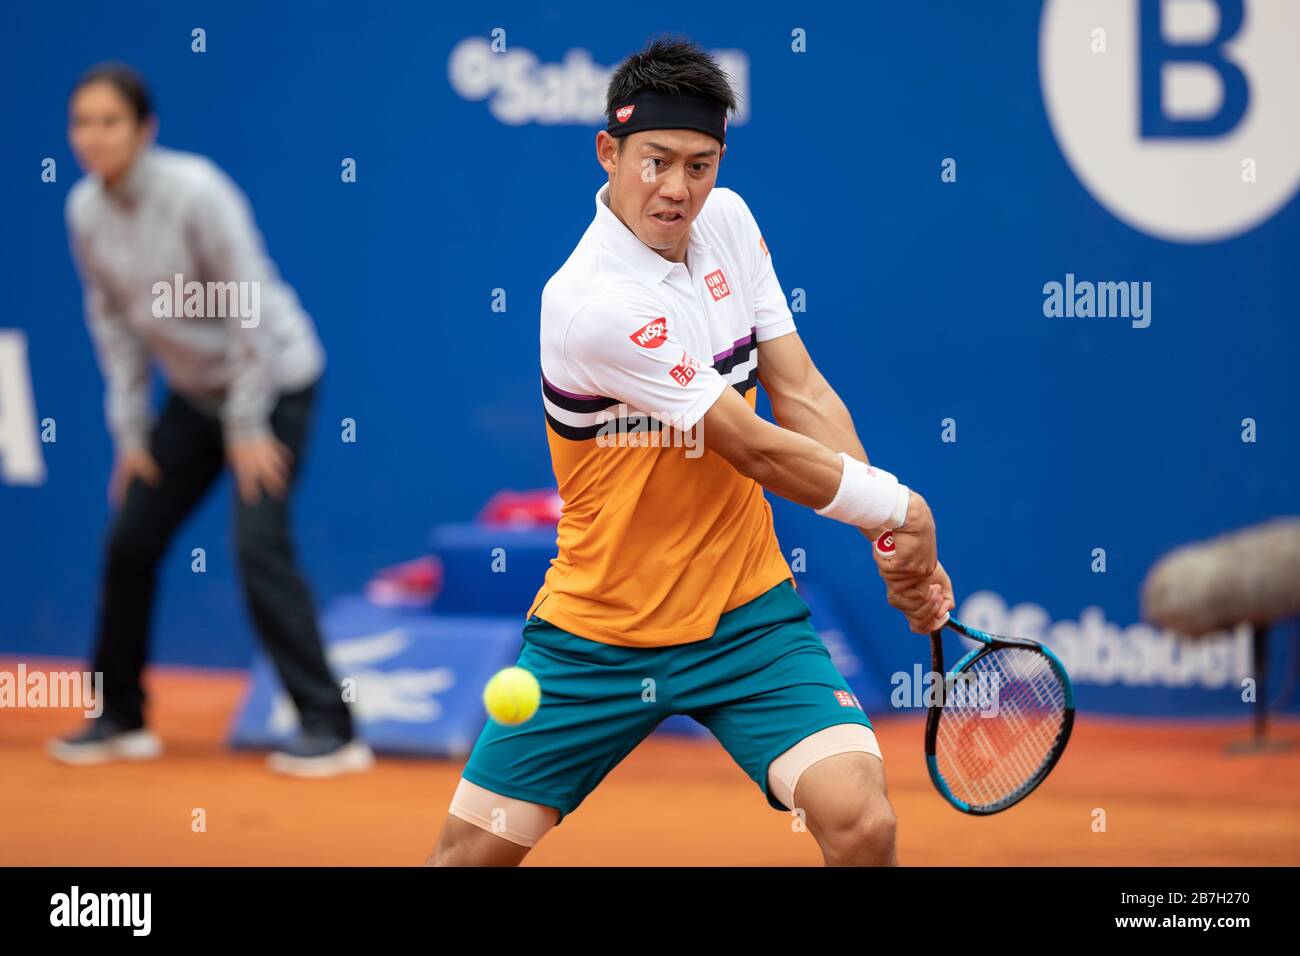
515 820
784 772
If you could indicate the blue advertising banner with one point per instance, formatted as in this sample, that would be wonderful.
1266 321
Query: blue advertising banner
414 681
1041 251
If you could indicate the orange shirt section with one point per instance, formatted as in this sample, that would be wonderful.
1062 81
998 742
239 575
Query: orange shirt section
654 545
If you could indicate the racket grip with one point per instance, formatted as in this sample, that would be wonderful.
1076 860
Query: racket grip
884 545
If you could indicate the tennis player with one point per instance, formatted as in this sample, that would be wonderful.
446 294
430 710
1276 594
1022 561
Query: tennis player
241 383
670 594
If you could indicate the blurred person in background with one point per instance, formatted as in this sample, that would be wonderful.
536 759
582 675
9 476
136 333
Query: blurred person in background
242 380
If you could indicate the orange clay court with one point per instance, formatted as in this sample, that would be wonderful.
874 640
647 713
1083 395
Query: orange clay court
1171 796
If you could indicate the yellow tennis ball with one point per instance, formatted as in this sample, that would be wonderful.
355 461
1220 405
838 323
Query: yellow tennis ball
512 695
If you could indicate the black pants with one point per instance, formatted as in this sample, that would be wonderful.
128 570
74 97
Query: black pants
190 451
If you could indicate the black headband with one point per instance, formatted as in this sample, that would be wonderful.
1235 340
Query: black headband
648 110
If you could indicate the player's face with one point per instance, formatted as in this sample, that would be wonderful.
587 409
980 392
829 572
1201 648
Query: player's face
103 131
659 183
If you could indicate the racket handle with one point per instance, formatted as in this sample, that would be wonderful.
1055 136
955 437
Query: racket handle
884 545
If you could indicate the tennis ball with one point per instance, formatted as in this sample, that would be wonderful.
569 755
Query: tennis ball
511 696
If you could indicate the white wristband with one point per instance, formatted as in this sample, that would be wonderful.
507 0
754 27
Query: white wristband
899 517
867 497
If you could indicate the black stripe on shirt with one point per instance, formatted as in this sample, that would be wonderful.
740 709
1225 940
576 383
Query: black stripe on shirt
748 382
739 357
580 405
612 426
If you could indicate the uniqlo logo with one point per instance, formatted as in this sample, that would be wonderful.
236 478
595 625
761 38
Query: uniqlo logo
847 700
685 370
717 284
652 334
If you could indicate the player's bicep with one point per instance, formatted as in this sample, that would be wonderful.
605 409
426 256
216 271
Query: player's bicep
786 369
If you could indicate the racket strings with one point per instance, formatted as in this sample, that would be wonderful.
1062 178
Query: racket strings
999 725
1001 750
997 750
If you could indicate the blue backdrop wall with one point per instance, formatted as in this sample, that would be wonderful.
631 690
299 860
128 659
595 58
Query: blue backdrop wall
924 299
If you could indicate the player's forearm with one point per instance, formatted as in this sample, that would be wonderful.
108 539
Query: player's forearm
799 468
834 484
794 466
821 415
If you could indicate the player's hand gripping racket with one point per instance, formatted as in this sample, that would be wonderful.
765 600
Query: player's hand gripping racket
999 721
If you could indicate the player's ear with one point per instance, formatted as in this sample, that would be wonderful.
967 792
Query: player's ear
607 148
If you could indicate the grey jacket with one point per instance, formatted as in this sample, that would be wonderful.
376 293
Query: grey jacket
175 269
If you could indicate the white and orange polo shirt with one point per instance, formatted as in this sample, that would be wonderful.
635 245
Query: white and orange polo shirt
658 537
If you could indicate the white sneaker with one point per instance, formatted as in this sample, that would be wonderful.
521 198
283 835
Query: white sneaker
321 757
102 742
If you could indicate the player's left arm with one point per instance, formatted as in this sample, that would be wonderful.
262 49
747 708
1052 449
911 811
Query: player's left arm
802 400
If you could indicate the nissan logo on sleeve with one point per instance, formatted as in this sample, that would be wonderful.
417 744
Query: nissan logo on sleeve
651 335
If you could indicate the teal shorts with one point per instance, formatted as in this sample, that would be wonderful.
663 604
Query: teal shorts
760 684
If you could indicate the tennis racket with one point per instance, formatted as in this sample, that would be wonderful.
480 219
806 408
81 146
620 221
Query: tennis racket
999 721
